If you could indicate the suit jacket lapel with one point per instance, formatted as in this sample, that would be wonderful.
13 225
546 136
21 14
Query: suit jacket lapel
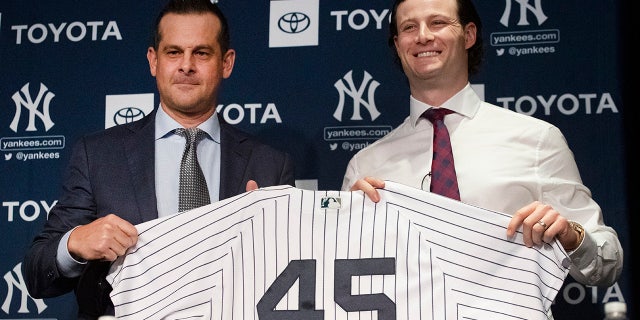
234 159
140 151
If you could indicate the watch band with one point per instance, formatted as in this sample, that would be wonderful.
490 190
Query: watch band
580 230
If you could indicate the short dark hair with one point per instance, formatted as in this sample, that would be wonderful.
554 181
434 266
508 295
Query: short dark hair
188 7
467 13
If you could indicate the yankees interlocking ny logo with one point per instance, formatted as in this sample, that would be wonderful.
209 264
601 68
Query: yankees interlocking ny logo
357 95
536 9
25 100
15 280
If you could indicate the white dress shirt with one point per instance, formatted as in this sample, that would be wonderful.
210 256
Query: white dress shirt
504 160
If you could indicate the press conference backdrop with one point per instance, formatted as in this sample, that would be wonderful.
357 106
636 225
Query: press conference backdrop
314 78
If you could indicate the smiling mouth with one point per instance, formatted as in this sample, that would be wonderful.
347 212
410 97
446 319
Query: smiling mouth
428 54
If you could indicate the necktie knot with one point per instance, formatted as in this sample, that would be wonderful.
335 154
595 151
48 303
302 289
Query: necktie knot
193 135
436 114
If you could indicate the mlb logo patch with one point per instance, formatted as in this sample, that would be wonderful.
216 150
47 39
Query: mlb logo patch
330 203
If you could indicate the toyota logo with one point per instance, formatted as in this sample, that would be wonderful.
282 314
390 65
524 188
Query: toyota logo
294 22
127 115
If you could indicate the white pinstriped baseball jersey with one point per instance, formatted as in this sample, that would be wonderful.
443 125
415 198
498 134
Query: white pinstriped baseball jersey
287 253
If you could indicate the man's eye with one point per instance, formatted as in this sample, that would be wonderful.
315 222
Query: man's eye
408 28
444 23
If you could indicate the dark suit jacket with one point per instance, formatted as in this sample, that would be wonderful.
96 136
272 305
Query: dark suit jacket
112 171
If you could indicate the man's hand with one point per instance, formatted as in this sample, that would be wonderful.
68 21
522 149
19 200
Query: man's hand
369 185
103 239
540 224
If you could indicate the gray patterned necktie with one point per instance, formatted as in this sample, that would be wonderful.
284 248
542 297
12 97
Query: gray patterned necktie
193 192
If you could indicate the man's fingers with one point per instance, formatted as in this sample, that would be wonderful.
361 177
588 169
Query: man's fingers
369 186
251 185
375 182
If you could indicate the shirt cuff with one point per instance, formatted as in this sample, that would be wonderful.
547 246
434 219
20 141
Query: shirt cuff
69 267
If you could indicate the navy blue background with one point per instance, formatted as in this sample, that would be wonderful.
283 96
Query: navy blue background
593 56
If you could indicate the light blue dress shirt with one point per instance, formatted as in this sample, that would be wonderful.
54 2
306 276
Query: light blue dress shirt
168 155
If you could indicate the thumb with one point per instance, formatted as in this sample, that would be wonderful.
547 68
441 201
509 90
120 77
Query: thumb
252 185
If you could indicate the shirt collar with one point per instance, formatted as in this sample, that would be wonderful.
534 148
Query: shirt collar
466 102
165 126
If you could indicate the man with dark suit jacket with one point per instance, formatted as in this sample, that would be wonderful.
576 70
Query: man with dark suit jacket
128 174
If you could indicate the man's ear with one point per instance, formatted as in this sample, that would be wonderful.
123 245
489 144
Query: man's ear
152 57
228 60
470 31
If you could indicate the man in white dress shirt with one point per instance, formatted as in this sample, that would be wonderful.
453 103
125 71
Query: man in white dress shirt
504 161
